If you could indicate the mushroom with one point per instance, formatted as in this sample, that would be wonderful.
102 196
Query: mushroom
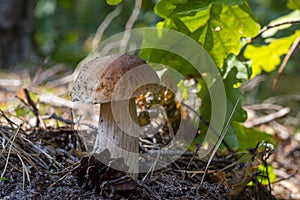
114 82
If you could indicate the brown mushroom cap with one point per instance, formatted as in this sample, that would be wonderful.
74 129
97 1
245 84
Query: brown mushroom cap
113 78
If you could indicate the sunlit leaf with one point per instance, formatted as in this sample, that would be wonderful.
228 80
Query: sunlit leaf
4 179
267 57
113 2
271 174
262 178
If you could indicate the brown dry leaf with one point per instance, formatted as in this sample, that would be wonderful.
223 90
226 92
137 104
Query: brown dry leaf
219 177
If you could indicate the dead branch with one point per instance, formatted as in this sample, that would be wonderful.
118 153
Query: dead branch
267 118
62 81
103 26
284 62
263 106
129 25
39 72
270 26
283 98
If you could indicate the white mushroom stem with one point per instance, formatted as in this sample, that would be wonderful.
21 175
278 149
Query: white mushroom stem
116 130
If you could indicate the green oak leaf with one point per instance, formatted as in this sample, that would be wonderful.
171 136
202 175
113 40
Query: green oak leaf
218 26
267 57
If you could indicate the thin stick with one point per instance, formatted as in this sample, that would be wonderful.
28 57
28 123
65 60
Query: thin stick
11 123
190 162
34 108
129 25
287 176
151 169
39 71
60 179
43 152
267 27
220 139
103 26
284 62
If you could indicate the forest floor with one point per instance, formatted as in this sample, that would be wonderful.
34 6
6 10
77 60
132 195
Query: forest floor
42 156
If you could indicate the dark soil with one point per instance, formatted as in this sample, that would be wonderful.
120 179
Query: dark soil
51 174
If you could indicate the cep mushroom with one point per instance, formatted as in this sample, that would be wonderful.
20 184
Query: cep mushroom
114 82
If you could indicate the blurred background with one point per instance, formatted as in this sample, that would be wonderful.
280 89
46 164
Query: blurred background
63 29
60 33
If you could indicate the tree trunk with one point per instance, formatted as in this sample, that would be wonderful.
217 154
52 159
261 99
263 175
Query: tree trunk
16 32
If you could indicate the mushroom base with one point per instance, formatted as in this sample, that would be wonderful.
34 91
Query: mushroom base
117 123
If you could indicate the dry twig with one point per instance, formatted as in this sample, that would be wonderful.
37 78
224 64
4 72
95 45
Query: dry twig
284 62
267 118
103 26
129 25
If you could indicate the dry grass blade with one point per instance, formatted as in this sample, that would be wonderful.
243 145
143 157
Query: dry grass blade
45 153
15 145
11 141
220 139
129 25
25 171
208 125
11 123
152 168
103 26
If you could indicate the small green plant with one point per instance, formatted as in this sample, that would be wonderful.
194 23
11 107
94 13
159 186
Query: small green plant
4 179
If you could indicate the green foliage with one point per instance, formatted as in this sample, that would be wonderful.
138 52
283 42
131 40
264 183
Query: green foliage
232 95
267 57
113 2
293 4
276 42
62 27
21 111
266 171
218 25
250 137
223 28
